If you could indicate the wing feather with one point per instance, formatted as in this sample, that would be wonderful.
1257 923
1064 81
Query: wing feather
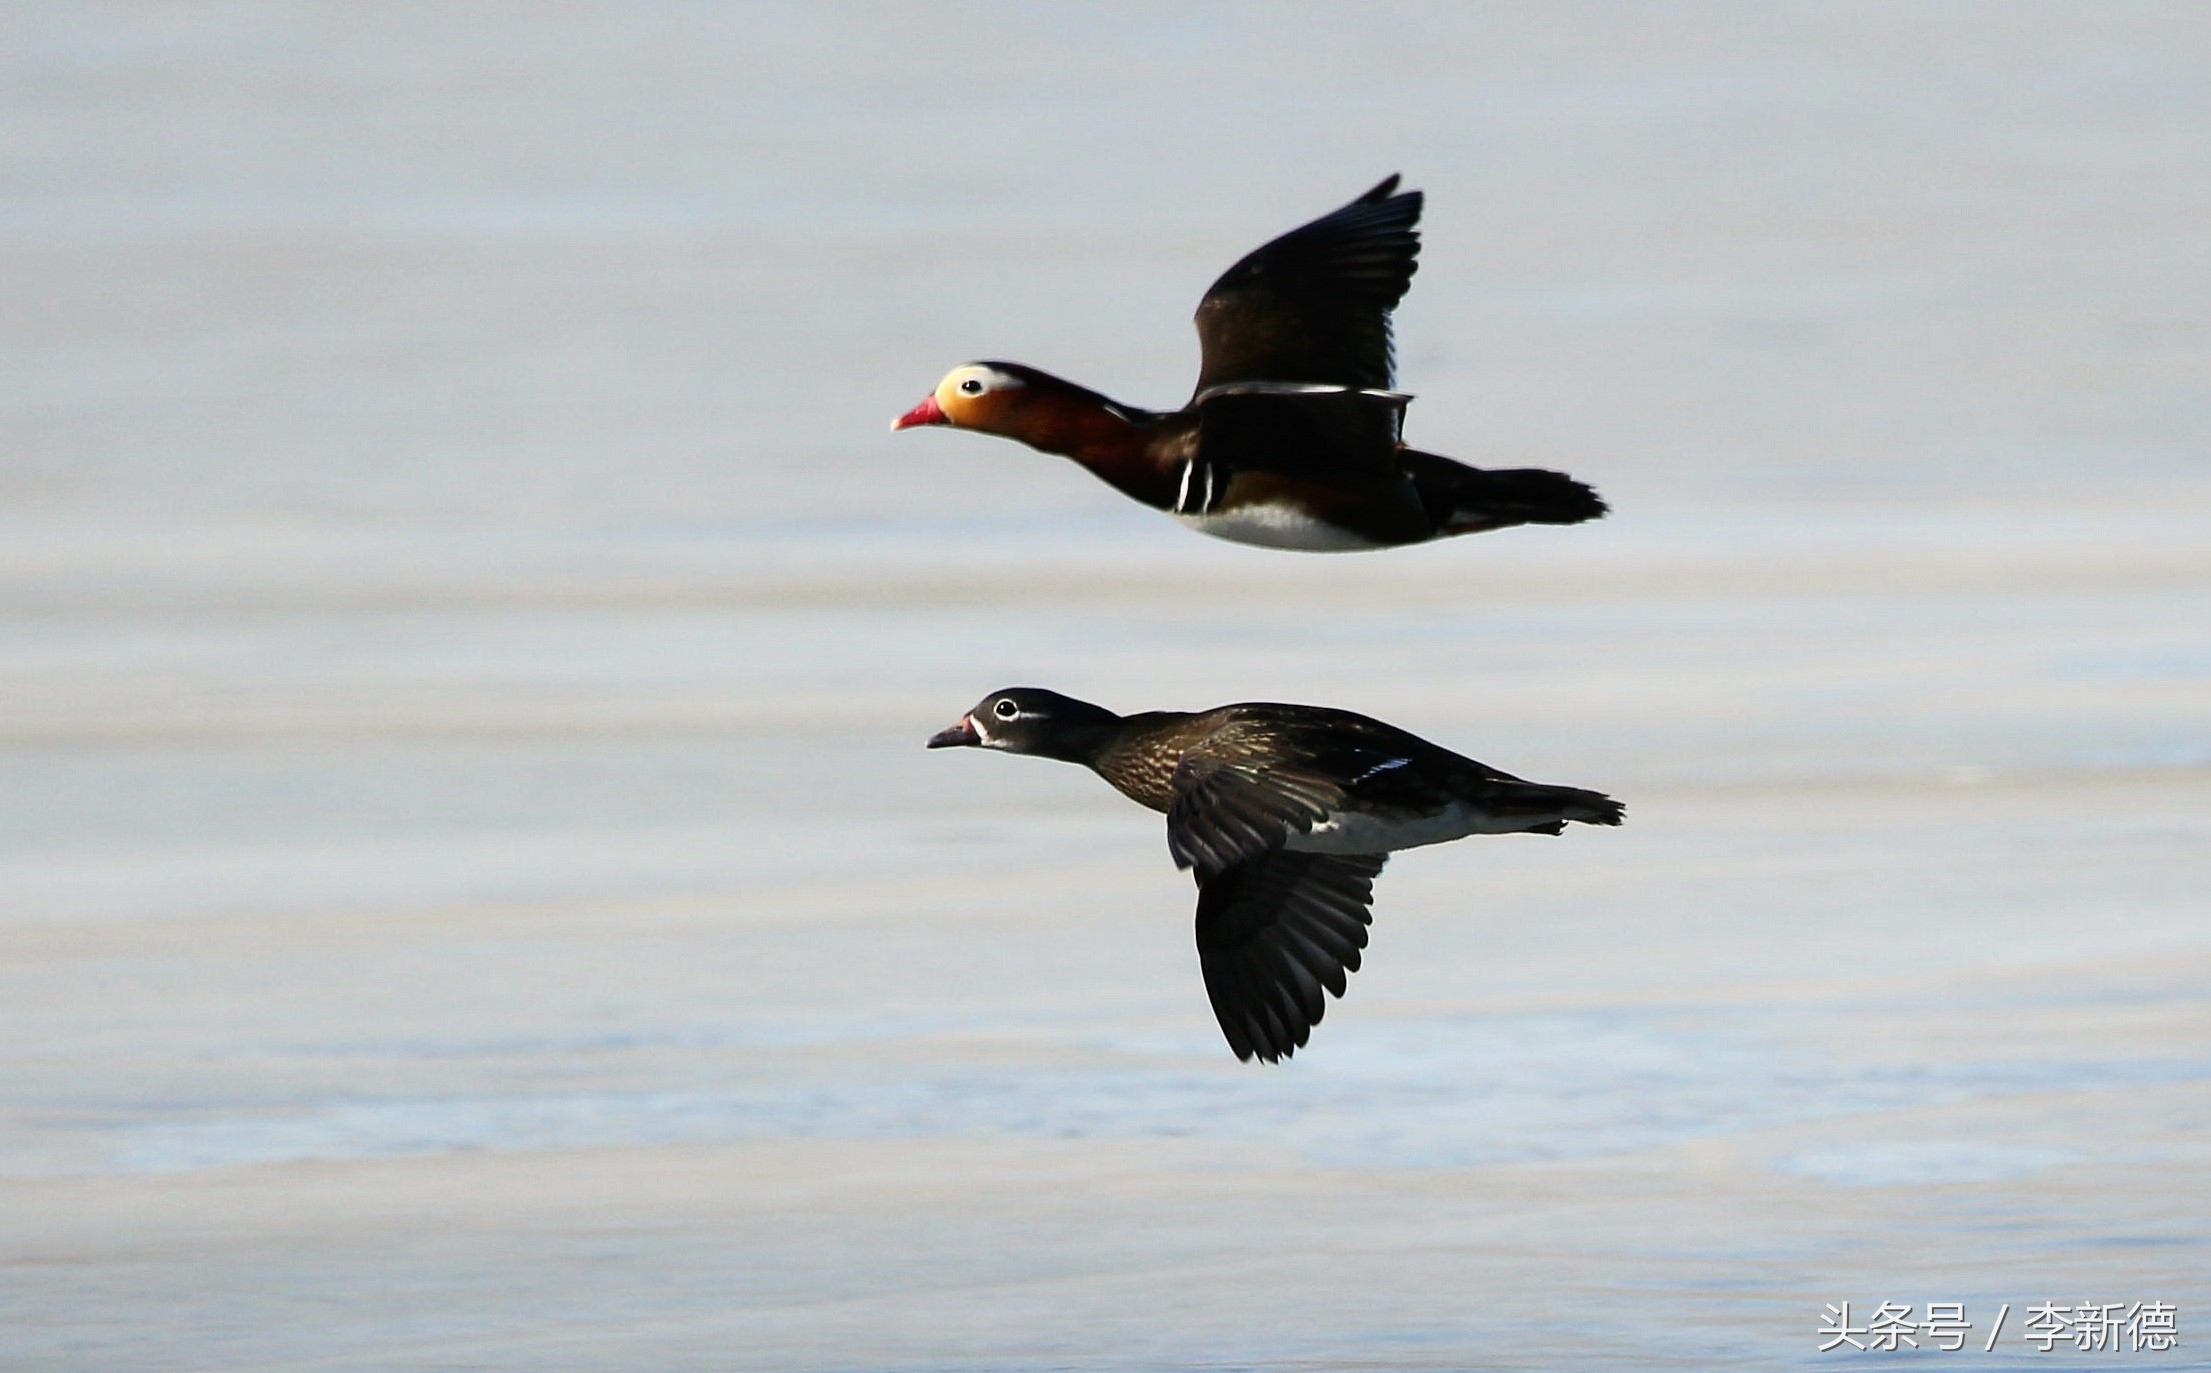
1225 810
1314 304
1274 933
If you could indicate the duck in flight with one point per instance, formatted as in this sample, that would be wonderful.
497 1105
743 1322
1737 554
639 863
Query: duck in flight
1292 438
1286 814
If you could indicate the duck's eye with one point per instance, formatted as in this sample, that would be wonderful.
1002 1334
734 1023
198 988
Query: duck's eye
1005 710
973 386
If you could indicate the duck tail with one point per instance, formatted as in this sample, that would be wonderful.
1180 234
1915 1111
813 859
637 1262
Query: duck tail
1589 807
1550 809
1464 500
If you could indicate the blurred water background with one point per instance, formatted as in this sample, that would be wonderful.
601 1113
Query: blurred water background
471 891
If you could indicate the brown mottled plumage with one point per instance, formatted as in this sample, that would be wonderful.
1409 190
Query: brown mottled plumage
1286 814
1292 438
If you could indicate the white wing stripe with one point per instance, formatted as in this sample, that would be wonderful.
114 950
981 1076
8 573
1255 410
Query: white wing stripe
1295 388
1384 766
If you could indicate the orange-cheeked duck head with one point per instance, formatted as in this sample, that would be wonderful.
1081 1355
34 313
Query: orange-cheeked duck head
989 396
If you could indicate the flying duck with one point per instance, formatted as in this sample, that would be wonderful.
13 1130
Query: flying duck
1292 439
1286 813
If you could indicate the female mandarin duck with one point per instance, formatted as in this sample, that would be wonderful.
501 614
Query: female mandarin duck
1292 437
1286 814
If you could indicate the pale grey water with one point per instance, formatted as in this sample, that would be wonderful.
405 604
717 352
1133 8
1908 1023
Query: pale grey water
471 893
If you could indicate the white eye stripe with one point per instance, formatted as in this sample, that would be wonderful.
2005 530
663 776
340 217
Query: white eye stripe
976 379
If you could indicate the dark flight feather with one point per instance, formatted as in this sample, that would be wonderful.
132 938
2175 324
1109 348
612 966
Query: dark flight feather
1272 933
1314 305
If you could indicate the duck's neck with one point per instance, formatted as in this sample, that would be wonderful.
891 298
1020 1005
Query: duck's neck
1082 738
1113 440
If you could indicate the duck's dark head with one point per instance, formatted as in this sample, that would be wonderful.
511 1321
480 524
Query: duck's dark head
1032 720
1017 402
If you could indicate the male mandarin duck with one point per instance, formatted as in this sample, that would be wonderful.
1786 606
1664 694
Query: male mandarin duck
1287 813
1292 439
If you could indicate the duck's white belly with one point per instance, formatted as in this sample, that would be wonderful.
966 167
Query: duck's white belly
1357 833
1277 526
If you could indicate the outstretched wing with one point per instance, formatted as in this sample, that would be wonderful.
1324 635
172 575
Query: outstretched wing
1314 305
1227 810
1273 933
